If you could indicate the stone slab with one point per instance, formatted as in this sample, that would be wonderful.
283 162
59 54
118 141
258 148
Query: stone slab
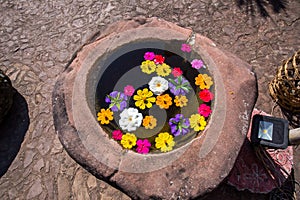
187 172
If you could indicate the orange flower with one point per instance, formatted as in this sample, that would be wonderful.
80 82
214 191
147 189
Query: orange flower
180 101
203 81
164 101
149 122
105 116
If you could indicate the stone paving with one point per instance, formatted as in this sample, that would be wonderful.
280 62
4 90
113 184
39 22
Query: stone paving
39 38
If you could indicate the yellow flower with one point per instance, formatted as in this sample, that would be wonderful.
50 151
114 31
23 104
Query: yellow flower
180 101
144 98
148 66
163 69
197 122
105 116
149 122
128 140
164 142
164 101
204 81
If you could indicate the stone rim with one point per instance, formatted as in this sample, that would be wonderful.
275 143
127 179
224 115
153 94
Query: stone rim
116 173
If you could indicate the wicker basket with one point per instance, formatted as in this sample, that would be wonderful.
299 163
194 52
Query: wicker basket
285 87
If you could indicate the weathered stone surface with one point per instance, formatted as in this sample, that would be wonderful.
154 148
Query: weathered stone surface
45 27
35 190
7 94
187 172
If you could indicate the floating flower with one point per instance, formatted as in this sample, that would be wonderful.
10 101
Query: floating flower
197 64
148 66
179 125
204 81
180 101
129 90
117 101
130 119
197 122
143 146
149 122
149 56
179 86
128 140
117 135
164 141
177 72
158 85
186 48
144 98
105 116
163 69
204 110
205 95
164 101
159 59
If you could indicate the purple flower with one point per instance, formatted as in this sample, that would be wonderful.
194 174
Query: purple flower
179 125
117 101
197 64
179 86
186 48
149 56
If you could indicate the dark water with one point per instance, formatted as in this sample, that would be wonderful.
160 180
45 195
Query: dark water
125 70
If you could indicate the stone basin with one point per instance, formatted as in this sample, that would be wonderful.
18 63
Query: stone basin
188 171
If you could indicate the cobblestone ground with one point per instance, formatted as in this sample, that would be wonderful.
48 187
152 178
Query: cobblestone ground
38 38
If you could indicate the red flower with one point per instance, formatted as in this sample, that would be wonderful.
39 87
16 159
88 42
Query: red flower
177 72
159 59
204 110
205 95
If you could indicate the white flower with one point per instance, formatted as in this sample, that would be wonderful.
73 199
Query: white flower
158 85
130 119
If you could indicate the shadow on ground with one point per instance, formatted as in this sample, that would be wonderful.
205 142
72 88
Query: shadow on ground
12 132
261 6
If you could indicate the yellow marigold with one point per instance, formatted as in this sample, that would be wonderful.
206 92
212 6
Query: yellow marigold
197 122
144 98
164 101
105 116
180 101
163 69
148 66
149 122
164 142
203 81
128 140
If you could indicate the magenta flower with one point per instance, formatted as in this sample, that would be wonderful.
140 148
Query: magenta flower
129 90
186 48
177 72
197 64
149 56
204 110
143 146
117 135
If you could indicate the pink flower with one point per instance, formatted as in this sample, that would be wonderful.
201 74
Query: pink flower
205 95
143 146
204 110
159 59
197 64
177 72
117 134
149 56
186 48
129 90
